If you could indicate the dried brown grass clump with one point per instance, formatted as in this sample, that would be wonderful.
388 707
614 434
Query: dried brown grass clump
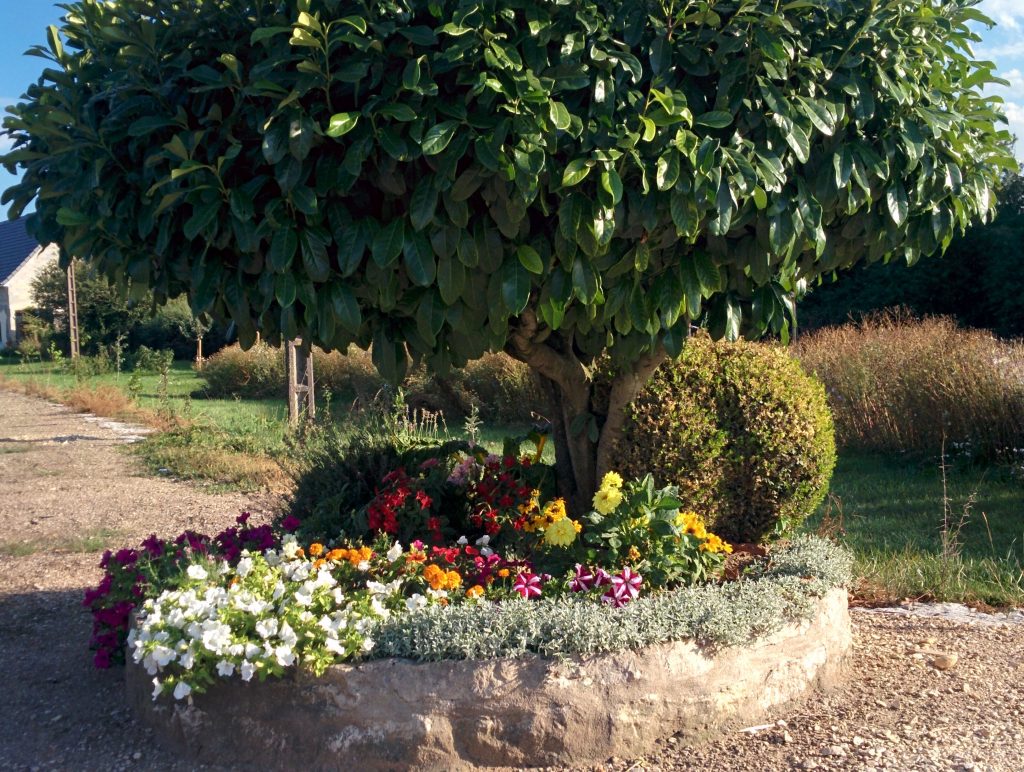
106 401
896 383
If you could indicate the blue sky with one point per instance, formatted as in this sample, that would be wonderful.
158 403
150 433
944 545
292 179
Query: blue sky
23 24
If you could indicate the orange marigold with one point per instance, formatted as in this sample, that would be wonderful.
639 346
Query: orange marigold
316 549
476 591
453 580
435 576
504 573
337 555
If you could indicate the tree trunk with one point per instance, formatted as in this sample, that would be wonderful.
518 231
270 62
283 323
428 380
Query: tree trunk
584 437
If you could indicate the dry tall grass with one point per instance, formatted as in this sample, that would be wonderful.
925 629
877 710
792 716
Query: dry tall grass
896 383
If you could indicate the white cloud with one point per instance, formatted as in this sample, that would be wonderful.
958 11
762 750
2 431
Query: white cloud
1006 13
1015 115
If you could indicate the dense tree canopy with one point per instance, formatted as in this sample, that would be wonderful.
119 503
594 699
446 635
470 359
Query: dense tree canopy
558 178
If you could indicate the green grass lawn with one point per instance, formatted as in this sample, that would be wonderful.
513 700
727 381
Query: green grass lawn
891 512
888 510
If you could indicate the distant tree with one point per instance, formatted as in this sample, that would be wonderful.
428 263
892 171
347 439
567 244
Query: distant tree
104 315
563 180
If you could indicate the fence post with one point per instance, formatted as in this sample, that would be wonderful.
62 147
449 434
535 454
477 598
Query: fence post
301 387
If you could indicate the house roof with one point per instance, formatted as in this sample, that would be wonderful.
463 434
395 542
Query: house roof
15 246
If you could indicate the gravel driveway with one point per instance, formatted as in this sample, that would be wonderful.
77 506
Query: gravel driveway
65 486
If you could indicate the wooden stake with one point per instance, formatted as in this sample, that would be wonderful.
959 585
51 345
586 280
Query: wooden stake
301 391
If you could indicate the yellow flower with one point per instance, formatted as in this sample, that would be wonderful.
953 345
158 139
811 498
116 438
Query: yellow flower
611 480
576 526
633 554
453 580
607 500
562 533
691 523
504 573
476 591
714 543
555 510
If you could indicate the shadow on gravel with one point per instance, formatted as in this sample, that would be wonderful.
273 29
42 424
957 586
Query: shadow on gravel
58 711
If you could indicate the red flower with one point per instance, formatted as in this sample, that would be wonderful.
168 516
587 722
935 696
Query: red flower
291 524
423 499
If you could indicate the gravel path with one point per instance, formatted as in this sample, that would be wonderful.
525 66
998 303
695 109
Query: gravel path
65 487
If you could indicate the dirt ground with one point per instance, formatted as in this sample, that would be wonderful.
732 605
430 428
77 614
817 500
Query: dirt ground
66 486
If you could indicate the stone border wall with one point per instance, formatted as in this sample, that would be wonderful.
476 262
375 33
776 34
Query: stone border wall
397 714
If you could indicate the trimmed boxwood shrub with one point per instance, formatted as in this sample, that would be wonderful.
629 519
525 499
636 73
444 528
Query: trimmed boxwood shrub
743 431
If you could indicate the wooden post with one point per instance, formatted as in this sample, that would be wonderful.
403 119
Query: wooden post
301 392
72 311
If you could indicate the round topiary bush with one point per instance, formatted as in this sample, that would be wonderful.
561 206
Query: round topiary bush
743 431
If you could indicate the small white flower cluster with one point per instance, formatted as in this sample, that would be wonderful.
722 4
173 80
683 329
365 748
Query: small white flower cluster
268 613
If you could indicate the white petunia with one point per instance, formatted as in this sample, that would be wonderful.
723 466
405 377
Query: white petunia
289 547
303 597
416 602
339 596
363 565
247 670
187 660
284 655
225 668
483 541
394 553
251 650
244 567
367 644
267 627
287 635
333 644
378 608
463 541
182 690
157 688
199 573
376 588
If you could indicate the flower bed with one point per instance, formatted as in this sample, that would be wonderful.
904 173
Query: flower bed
524 582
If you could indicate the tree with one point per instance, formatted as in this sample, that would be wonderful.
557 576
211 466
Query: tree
104 316
564 180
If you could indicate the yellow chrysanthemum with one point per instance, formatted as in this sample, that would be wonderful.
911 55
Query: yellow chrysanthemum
611 480
561 533
607 500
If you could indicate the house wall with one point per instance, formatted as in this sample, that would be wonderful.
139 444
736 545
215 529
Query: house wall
6 321
18 286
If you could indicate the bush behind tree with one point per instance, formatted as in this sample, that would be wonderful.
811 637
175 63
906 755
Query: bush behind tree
743 431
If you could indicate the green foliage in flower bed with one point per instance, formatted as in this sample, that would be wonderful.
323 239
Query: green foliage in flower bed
743 431
734 613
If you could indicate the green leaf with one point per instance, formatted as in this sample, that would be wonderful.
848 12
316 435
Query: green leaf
423 204
716 119
896 200
612 183
285 289
314 255
420 264
387 244
451 279
283 247
530 259
559 115
341 124
575 172
708 274
515 286
797 139
345 307
411 74
438 137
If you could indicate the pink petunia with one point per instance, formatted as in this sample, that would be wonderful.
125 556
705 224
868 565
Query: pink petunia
583 580
625 586
527 584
